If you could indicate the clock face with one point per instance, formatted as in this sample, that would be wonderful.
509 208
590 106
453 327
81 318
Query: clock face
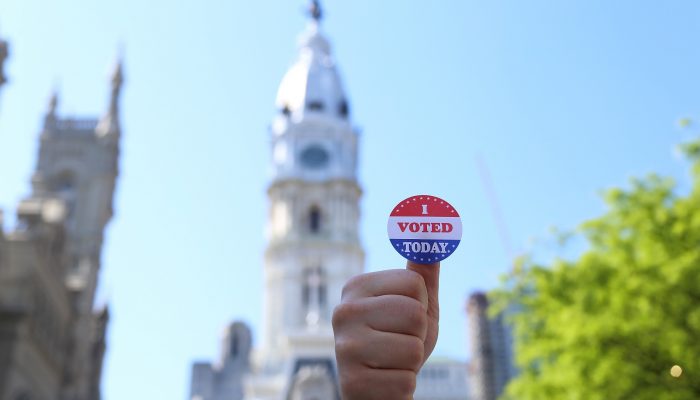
314 156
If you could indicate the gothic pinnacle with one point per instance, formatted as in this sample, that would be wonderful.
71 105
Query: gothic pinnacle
117 81
53 103
4 52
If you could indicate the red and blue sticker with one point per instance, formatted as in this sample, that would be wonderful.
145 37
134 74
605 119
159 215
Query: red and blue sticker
424 229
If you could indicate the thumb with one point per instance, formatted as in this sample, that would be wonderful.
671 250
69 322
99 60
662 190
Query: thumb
431 276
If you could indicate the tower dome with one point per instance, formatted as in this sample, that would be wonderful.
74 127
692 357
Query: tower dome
312 84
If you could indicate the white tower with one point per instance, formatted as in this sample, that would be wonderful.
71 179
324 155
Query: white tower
313 231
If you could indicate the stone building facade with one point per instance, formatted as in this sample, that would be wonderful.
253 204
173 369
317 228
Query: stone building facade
52 339
442 378
223 380
492 364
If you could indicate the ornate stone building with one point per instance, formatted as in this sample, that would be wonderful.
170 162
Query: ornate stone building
52 340
313 241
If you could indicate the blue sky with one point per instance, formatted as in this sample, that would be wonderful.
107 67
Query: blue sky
560 100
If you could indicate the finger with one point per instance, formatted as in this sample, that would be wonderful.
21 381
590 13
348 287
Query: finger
381 350
431 277
395 281
386 313
394 351
371 384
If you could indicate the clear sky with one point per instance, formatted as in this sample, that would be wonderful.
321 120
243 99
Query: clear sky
559 99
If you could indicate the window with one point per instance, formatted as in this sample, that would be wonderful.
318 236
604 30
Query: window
343 108
306 290
315 219
234 345
314 289
24 395
63 185
314 105
63 182
285 110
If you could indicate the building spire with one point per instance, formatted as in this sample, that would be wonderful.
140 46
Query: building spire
4 53
109 125
117 81
50 117
315 11
53 103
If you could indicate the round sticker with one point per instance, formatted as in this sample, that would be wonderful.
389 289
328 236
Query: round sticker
424 229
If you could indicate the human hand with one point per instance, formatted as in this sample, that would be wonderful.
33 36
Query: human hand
386 327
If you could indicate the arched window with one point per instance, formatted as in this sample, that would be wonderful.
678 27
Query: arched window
63 185
313 286
343 108
314 294
234 345
315 219
306 290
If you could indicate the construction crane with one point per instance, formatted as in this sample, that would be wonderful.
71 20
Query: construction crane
501 227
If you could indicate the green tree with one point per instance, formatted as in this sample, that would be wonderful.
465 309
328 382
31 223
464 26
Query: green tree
613 322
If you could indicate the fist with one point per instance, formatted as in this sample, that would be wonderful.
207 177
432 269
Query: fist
385 328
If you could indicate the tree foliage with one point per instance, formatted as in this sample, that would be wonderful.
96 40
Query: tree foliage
613 322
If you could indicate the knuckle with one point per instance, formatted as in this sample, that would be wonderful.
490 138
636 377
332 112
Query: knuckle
415 282
414 354
416 314
352 283
344 312
338 316
352 384
341 313
407 385
346 347
346 288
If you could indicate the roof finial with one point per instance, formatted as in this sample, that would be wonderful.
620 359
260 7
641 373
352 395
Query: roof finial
315 10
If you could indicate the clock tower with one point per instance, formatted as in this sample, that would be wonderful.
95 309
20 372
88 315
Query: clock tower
313 228
313 241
